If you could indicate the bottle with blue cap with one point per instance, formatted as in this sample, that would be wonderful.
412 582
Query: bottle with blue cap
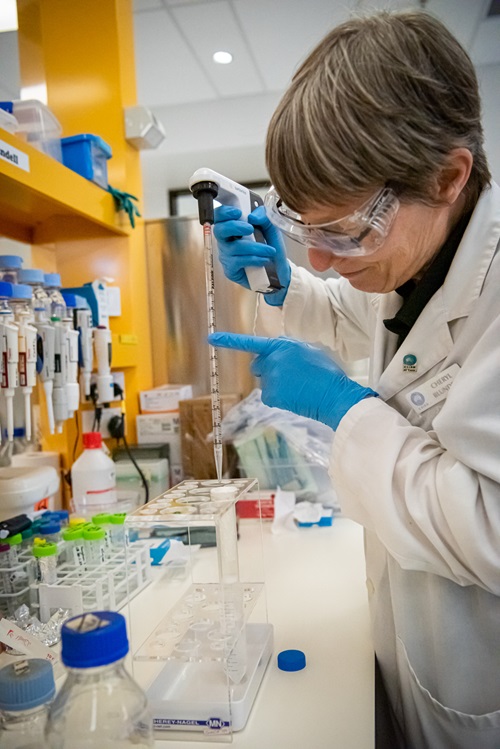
26 690
53 289
10 265
99 704
36 279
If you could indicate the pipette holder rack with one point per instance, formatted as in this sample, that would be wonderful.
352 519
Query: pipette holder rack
206 654
78 588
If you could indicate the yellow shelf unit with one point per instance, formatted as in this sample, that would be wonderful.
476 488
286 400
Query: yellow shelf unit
49 202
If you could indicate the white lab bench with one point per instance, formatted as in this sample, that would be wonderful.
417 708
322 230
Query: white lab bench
316 598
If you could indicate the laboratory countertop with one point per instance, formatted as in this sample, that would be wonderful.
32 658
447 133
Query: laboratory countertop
317 602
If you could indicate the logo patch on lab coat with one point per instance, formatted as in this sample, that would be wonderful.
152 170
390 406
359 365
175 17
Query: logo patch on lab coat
409 363
433 391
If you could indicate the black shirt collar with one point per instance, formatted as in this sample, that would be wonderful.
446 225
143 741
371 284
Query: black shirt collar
417 294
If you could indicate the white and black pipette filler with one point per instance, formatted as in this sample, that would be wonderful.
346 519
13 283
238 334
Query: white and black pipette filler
207 186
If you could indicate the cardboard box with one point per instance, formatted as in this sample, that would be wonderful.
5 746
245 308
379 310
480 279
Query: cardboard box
195 427
164 399
160 429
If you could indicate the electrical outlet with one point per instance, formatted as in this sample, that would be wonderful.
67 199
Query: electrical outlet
118 379
106 416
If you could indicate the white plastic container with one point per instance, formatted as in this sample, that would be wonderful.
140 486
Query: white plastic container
24 490
41 127
93 475
156 473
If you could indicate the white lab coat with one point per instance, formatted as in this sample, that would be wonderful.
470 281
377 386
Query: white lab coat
425 487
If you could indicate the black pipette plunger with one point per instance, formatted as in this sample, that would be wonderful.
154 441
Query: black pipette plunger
205 192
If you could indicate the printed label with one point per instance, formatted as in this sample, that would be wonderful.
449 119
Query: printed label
14 156
433 391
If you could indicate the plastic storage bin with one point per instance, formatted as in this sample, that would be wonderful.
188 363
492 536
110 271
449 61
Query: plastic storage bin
156 473
41 127
88 155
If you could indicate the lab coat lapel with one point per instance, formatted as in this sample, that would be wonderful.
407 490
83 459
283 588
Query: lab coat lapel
429 341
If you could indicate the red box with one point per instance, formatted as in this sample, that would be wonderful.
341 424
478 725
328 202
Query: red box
256 505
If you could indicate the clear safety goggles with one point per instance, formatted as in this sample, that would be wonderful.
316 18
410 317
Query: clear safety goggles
361 233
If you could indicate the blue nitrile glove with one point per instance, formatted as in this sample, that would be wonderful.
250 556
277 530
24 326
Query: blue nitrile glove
236 254
298 377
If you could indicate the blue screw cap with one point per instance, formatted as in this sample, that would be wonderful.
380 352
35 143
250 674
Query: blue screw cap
94 639
25 685
291 660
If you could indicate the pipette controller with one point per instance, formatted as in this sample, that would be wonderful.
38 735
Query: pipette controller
207 186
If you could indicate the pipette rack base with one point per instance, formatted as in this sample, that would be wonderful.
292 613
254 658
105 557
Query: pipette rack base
189 695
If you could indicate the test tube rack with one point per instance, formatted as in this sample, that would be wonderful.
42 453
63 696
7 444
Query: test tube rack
14 587
79 588
210 659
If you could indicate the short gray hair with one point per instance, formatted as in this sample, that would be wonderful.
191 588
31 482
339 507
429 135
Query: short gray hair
380 101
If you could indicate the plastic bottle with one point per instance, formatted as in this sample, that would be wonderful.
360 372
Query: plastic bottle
99 704
53 289
26 690
36 279
93 475
10 265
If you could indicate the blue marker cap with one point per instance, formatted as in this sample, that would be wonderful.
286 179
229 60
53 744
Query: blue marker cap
26 688
47 527
291 660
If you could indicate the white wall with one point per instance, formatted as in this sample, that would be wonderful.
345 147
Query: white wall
229 136
489 80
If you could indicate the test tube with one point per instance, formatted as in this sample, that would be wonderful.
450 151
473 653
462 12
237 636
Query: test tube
102 520
7 583
73 539
15 545
94 539
45 554
118 529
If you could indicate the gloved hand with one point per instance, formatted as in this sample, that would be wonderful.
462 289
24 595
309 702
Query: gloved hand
236 254
298 377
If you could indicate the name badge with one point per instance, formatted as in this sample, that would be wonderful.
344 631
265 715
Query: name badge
433 391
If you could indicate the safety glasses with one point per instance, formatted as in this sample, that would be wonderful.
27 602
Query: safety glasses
361 233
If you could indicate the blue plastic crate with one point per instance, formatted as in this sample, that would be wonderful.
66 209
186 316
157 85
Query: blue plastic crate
88 155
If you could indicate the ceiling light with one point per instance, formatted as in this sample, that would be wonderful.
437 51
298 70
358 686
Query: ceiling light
223 58
8 15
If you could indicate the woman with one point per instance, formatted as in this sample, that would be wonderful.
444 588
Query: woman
376 156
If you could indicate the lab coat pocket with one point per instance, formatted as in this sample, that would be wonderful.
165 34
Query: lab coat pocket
431 724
